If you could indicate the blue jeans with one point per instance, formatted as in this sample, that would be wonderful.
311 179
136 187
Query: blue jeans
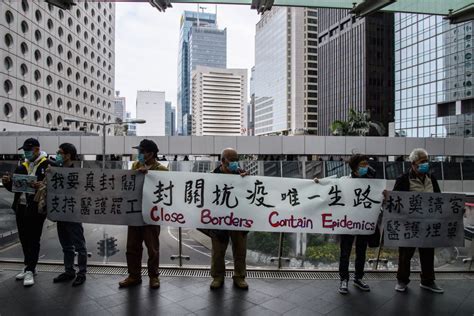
71 237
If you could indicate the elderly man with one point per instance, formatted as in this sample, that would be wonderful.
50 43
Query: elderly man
220 239
417 179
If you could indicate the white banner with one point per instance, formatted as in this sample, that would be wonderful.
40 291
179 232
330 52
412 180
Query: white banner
95 196
232 202
415 219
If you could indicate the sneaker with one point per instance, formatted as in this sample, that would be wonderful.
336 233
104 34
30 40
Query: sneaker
28 279
130 281
400 287
21 275
64 277
241 283
154 283
80 279
433 287
361 285
343 287
217 283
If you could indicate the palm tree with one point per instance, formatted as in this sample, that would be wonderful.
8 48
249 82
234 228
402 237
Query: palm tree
358 124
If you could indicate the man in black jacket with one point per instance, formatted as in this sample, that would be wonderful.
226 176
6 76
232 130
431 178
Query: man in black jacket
220 238
29 218
417 179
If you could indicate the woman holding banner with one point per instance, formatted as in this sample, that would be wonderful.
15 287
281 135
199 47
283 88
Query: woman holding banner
70 234
359 169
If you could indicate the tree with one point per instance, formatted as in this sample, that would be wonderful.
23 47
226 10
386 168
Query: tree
358 124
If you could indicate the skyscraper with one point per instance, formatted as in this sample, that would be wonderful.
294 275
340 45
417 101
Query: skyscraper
434 93
355 66
151 107
286 72
131 127
218 99
250 121
170 113
201 43
56 64
119 106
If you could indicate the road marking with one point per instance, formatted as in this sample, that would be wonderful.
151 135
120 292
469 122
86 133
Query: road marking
186 245
226 262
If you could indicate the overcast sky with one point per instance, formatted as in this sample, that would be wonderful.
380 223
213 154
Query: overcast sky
146 45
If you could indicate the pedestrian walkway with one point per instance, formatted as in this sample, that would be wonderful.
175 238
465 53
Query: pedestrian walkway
191 296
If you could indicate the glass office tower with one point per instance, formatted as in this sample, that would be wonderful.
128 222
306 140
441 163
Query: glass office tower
433 77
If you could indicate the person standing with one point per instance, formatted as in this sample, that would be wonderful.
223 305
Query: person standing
71 235
359 169
220 238
147 160
417 179
29 218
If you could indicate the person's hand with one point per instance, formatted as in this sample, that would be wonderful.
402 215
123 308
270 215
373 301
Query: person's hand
385 194
244 173
316 180
36 185
48 169
6 178
143 170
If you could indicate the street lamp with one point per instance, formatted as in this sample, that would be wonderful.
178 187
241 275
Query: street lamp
104 125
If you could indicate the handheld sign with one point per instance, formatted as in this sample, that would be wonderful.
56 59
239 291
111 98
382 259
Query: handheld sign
23 183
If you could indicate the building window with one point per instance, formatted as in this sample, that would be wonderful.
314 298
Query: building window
9 17
23 91
37 116
8 62
24 27
23 69
7 110
49 118
23 113
8 40
7 86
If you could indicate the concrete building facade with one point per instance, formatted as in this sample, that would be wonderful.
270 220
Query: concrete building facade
56 64
152 108
218 98
285 80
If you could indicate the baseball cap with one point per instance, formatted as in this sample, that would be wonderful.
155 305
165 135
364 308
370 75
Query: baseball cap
148 146
29 144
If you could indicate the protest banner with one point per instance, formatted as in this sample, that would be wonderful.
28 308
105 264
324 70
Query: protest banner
95 196
23 183
231 202
415 219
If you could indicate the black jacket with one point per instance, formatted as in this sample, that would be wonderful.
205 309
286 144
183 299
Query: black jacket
403 182
40 175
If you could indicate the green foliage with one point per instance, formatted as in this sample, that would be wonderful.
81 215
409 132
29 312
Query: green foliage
267 243
358 124
326 253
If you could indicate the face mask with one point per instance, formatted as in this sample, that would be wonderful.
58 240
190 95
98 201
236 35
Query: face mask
424 168
59 159
141 158
362 171
29 155
233 166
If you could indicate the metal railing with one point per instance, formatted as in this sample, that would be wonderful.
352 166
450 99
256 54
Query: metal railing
189 248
